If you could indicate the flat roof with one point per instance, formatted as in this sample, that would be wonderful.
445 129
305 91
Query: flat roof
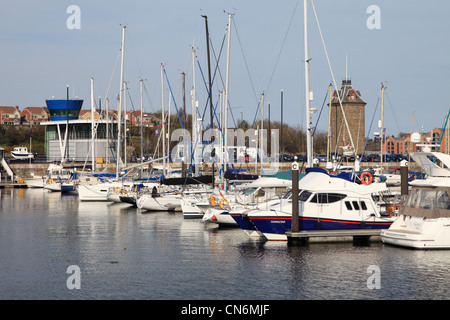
77 121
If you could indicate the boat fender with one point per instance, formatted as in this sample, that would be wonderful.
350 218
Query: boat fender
213 218
366 178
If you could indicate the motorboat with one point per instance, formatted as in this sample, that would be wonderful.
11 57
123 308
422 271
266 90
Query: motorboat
57 178
326 202
424 221
22 153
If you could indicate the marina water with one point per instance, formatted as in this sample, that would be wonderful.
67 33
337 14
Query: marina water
123 253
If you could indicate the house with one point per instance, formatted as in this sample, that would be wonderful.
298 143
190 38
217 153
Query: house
135 117
402 145
10 115
86 115
34 115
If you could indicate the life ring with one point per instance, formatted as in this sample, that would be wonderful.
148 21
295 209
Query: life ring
117 189
366 178
222 202
51 181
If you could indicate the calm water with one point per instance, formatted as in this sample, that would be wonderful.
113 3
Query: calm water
126 254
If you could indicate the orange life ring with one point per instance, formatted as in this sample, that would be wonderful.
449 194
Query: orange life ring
366 178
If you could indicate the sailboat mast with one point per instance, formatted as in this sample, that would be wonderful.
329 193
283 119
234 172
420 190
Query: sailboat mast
141 123
163 130
194 116
92 126
382 127
120 104
225 122
309 150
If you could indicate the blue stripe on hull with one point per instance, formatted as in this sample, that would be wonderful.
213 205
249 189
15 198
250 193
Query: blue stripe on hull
282 225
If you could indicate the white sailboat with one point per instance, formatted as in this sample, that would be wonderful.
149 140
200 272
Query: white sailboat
94 189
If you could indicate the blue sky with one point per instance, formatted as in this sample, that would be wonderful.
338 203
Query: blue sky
39 55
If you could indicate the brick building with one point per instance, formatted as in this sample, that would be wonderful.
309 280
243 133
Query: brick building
354 109
10 115
34 115
403 145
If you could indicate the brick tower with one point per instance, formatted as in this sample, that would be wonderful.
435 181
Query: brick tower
354 109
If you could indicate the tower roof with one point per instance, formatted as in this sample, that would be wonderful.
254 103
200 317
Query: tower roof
347 94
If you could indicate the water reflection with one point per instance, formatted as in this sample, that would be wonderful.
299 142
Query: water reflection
128 254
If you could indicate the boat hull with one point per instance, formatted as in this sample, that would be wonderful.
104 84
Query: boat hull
274 225
159 203
418 233
34 182
93 192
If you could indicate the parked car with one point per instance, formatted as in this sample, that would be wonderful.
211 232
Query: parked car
321 157
286 158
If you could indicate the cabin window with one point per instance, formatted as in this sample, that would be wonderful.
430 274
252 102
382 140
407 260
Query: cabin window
348 205
443 200
303 196
335 197
363 205
413 200
355 205
327 197
427 199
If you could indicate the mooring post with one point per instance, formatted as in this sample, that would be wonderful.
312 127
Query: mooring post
295 216
404 178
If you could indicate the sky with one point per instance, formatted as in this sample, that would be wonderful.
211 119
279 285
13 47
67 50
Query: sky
407 52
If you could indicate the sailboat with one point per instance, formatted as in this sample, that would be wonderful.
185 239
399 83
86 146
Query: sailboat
92 189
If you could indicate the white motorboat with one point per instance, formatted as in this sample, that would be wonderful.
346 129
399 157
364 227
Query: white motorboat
22 153
424 222
326 202
59 179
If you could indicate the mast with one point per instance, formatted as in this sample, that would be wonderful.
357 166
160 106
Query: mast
107 132
309 150
141 123
261 133
67 127
210 95
92 126
120 104
194 116
163 130
225 123
329 124
209 72
381 126
125 115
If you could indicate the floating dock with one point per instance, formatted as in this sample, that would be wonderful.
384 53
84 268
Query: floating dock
357 236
